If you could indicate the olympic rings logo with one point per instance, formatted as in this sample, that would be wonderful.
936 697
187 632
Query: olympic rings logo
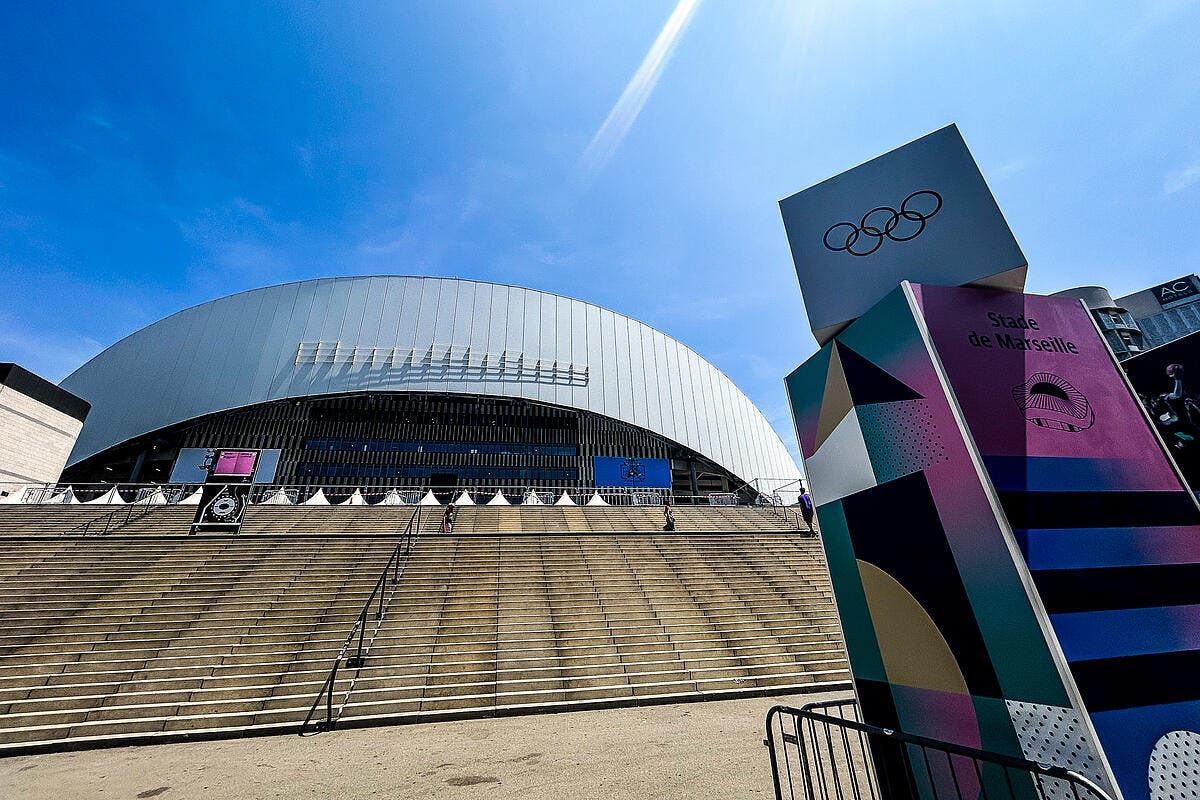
885 222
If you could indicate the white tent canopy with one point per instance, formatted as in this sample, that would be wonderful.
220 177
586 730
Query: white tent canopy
109 498
596 500
531 499
155 498
43 495
464 499
355 499
565 500
192 499
393 498
429 499
499 500
318 499
279 498
14 495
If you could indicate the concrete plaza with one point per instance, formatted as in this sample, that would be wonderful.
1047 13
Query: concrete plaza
694 750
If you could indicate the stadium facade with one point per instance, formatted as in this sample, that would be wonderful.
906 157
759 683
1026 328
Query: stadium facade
397 380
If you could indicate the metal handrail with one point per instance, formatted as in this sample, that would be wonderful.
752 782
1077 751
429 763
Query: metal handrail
69 492
394 565
777 509
769 490
134 511
842 778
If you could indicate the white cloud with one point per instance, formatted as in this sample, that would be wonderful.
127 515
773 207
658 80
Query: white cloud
1008 168
1152 16
304 155
1182 178
244 206
697 308
99 117
544 255
619 121
98 120
48 353
241 240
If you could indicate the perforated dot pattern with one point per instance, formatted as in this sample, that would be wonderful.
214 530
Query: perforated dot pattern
1055 735
901 438
1174 772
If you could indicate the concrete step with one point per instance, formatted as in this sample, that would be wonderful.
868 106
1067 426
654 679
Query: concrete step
148 638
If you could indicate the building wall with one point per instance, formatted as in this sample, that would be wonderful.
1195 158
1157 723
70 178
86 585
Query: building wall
1170 324
410 439
1166 312
395 333
35 438
1116 323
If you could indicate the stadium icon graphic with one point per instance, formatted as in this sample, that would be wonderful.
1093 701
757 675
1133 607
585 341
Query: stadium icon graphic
1050 401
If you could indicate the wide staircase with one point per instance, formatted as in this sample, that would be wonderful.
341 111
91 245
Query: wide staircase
130 638
528 519
512 623
55 520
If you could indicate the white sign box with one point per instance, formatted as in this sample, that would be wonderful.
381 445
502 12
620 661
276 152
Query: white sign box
921 213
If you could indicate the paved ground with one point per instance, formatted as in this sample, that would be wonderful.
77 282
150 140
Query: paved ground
696 750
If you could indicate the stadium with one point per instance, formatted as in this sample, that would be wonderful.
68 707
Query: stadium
385 381
249 536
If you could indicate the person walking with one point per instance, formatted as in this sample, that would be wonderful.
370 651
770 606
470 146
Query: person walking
806 510
448 519
668 517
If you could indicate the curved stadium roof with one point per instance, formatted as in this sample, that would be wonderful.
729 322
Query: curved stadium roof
391 333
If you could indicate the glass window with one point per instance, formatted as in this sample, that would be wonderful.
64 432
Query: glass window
310 470
469 448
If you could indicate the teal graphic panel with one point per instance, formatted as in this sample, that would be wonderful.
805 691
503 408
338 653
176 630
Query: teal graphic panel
942 634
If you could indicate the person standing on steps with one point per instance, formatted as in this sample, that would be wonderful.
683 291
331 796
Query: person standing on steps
668 516
448 519
806 510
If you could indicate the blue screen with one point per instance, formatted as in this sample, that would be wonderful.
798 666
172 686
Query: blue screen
633 472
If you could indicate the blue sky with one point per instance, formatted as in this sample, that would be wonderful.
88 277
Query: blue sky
156 155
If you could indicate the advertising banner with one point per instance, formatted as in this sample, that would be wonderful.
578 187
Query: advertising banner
193 463
1110 534
227 476
1167 381
654 473
922 212
235 463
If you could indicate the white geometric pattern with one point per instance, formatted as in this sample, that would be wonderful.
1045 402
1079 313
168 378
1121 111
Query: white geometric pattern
840 467
1056 735
1174 772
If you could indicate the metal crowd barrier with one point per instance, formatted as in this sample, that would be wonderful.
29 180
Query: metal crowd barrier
823 751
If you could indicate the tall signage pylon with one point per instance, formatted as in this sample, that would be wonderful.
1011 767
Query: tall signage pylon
1014 555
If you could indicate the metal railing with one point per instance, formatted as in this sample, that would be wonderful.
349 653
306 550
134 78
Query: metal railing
117 518
787 490
398 494
824 752
790 516
394 568
57 494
